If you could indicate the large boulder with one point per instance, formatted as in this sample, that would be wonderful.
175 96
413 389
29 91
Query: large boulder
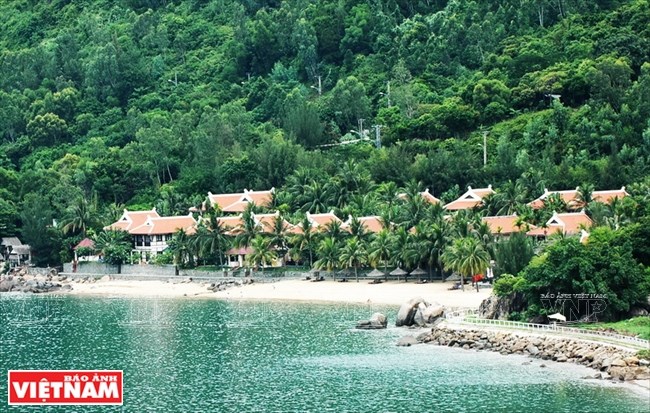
376 322
418 311
498 308
407 341
7 285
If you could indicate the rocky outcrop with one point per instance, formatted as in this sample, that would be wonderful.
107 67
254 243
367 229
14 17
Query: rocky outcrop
418 312
226 284
498 308
30 284
616 363
377 321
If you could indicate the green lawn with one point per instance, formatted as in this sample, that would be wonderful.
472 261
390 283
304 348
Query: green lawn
638 326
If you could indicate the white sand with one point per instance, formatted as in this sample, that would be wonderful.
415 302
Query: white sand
392 292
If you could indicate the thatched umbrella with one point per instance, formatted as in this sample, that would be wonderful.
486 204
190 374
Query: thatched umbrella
376 274
398 272
419 272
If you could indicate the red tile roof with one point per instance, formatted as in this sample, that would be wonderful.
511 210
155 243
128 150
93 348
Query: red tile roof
166 225
132 219
239 201
470 199
571 198
85 243
424 194
371 224
569 224
505 224
267 222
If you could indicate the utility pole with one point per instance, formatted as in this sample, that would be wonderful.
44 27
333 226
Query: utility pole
319 88
377 136
485 133
361 133
175 81
387 94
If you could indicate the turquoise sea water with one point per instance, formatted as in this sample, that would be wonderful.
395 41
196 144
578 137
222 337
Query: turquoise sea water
216 356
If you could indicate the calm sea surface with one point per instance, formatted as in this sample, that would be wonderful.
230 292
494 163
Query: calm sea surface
217 356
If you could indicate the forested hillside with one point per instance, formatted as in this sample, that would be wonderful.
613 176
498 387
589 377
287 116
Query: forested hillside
141 103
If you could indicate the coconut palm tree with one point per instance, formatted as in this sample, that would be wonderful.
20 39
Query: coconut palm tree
380 250
467 257
210 238
358 229
80 216
262 254
114 247
403 250
305 241
182 249
250 228
328 253
278 235
354 255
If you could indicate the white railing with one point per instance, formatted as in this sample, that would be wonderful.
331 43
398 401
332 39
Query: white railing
468 317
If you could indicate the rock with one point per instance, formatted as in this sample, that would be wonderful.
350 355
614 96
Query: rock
638 312
642 373
7 285
631 361
376 322
542 365
406 313
433 312
418 318
618 363
533 350
561 359
644 362
105 278
407 341
617 372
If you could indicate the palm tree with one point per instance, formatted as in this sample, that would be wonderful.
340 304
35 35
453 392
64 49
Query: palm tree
262 254
81 216
585 195
380 249
333 229
211 239
328 252
114 247
250 228
358 229
467 257
182 249
317 198
278 235
403 250
354 254
304 241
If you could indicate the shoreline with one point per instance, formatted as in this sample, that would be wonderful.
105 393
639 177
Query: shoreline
388 293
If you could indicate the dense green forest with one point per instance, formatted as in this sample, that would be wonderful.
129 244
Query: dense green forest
141 103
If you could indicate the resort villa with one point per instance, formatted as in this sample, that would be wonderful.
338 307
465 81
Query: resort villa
150 232
571 223
506 225
426 195
15 252
237 202
370 224
471 199
573 200
318 222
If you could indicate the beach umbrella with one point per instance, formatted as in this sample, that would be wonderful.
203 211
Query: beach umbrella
453 277
557 316
398 272
419 272
376 273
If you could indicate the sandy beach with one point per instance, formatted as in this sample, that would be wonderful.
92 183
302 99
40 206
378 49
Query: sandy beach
390 293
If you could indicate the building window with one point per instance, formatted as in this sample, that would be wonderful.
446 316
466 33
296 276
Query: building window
159 238
147 241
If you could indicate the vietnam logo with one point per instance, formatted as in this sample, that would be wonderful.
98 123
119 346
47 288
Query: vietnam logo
82 387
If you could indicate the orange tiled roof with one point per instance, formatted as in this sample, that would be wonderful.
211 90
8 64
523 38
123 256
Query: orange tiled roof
371 223
239 201
571 198
428 196
568 223
470 199
132 219
320 220
267 221
505 224
165 225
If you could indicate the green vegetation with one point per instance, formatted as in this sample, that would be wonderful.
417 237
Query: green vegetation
131 103
638 326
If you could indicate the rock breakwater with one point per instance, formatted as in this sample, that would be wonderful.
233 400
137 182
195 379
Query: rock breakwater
611 362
